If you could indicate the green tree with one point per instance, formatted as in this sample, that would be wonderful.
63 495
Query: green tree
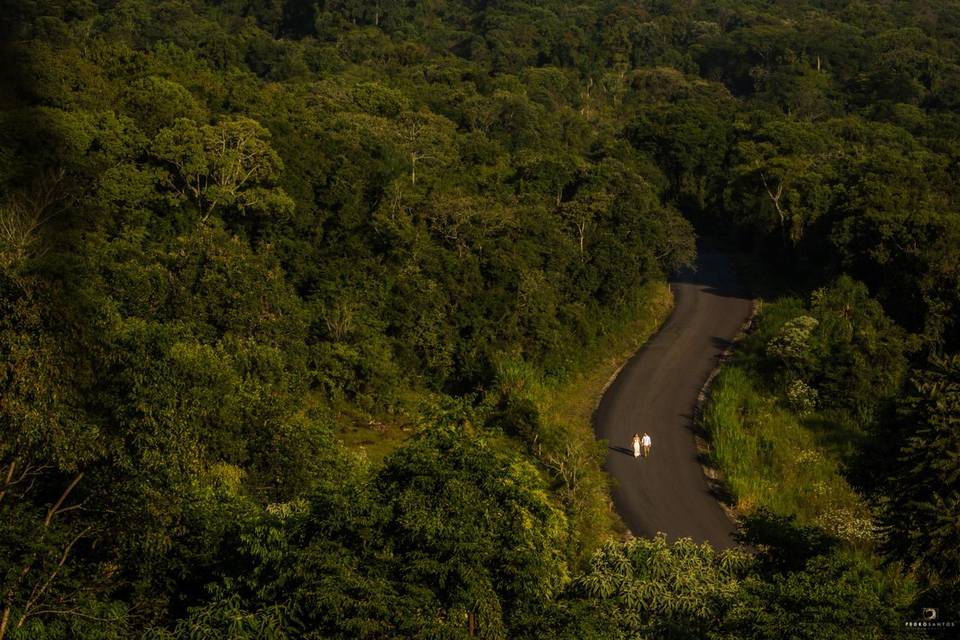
860 352
475 527
922 514
46 569
782 180
227 165
834 596
651 588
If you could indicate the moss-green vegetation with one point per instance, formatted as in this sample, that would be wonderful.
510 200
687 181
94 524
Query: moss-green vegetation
565 402
571 401
304 307
773 459
788 417
562 438
375 439
795 450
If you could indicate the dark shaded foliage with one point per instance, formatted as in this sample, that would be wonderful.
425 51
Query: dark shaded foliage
227 226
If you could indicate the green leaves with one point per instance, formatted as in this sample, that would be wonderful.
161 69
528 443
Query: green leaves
844 349
922 516
791 345
40 420
463 512
833 596
782 179
448 531
650 587
223 165
390 195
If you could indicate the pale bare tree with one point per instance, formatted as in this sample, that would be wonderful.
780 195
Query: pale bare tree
583 212
424 136
339 319
23 214
776 195
461 220
788 178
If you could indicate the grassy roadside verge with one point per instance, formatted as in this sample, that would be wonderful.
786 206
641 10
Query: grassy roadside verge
773 459
573 401
776 455
563 438
785 449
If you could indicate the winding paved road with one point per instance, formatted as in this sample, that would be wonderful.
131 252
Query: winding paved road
656 392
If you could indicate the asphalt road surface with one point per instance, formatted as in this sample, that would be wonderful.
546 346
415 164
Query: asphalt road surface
656 392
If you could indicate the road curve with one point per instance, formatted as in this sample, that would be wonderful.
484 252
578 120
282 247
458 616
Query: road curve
656 392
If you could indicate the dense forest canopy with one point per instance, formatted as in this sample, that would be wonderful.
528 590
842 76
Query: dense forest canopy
229 228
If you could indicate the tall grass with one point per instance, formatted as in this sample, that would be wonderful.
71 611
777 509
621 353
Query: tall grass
771 459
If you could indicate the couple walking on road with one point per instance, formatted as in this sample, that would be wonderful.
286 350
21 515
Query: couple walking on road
642 444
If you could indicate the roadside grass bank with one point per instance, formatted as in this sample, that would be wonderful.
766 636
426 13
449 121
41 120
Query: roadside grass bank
573 400
773 459
789 413
787 419
553 416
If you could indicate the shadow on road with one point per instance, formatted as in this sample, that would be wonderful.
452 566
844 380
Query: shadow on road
623 450
716 280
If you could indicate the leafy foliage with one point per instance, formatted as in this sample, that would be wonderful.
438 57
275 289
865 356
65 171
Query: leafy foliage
230 230
923 512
